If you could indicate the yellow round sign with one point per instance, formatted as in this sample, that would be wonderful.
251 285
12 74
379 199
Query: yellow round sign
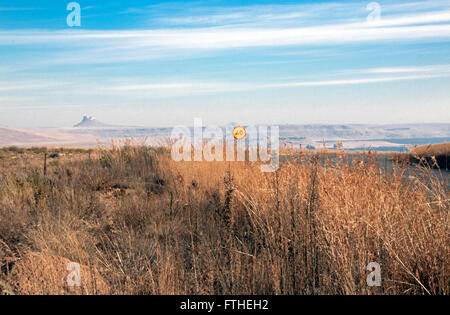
239 133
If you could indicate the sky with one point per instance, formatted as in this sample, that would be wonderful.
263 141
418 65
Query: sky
158 63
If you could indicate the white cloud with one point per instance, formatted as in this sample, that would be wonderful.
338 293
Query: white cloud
247 33
211 87
225 38
247 27
358 81
21 86
428 18
434 69
186 87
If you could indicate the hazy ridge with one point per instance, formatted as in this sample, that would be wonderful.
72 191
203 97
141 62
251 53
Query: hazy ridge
90 132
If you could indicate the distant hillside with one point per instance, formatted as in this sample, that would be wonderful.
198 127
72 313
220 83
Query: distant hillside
90 122
363 131
10 136
433 149
42 137
316 132
89 131
433 154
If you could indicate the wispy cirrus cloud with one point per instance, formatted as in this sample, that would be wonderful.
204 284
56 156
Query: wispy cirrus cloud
359 81
213 29
255 25
23 86
435 69
227 38
190 87
325 13
199 88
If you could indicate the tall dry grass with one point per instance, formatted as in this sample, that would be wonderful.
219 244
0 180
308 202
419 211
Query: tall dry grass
148 225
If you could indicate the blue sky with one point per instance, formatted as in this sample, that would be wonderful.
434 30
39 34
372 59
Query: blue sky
156 63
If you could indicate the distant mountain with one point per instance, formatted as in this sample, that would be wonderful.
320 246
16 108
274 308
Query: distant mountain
90 122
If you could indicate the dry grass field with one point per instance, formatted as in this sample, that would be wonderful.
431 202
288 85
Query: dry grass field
139 223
